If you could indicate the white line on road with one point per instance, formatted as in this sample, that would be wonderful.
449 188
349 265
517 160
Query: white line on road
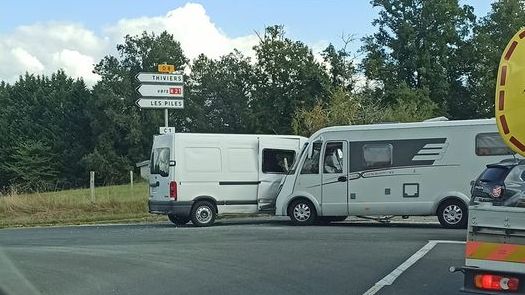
391 277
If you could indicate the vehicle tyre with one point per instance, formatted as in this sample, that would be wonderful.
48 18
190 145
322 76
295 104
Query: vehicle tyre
203 214
453 213
178 220
302 212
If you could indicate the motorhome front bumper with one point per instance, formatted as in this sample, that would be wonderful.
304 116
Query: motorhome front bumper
178 208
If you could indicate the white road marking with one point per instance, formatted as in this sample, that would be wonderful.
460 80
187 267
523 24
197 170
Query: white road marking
391 277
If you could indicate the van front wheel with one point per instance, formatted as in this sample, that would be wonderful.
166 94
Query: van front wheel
302 212
203 214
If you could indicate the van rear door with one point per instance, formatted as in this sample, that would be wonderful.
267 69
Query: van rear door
276 156
161 172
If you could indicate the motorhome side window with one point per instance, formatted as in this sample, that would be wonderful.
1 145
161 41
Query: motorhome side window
277 161
377 155
333 158
160 162
491 144
311 165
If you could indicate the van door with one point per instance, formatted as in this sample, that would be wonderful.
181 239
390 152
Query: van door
276 156
160 169
335 178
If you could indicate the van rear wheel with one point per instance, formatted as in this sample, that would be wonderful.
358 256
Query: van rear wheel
453 214
178 220
203 214
302 212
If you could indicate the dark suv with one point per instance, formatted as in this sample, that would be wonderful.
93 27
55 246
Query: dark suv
502 184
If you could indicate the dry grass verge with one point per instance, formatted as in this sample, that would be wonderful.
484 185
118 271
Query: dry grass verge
112 203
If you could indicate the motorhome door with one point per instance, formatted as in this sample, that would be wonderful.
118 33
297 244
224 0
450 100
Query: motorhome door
276 156
334 178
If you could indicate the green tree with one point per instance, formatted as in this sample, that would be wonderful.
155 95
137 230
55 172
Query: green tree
50 112
420 44
287 78
222 88
491 35
32 166
343 108
122 132
350 108
341 68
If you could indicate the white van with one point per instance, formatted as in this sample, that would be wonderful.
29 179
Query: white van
401 169
196 176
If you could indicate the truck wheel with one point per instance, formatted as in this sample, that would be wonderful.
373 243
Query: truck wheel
453 214
178 220
302 212
203 214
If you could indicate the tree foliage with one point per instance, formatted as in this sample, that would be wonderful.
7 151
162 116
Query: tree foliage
490 38
288 78
122 132
427 58
420 44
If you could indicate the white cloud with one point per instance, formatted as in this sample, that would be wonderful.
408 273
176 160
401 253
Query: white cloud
27 60
192 27
43 48
76 64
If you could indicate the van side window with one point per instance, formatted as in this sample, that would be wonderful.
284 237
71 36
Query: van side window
491 144
377 155
277 161
311 165
333 158
160 162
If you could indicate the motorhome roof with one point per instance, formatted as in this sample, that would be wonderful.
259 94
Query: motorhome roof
405 125
237 135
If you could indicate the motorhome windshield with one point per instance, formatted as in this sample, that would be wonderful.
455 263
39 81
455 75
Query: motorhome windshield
296 160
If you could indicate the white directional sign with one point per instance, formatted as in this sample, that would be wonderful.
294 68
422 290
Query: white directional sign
160 103
157 90
160 78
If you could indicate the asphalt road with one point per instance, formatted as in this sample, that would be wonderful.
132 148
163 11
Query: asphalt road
246 256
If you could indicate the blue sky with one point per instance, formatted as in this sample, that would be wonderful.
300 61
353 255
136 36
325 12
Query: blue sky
63 26
308 20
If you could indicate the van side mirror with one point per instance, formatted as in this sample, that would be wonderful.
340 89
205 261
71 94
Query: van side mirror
472 182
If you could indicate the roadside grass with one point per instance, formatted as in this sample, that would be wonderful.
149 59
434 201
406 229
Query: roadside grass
117 203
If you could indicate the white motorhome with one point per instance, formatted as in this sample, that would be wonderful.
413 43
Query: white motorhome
196 176
401 169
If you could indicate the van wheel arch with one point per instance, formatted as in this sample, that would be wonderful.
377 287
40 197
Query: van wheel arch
209 199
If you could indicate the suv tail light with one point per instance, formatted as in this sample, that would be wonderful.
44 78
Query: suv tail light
495 282
173 190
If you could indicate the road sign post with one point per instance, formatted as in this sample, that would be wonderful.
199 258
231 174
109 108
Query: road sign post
162 90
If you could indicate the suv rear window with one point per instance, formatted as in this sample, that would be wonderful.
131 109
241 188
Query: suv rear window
494 174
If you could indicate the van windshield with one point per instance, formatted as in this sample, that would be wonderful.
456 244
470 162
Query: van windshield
297 158
160 161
